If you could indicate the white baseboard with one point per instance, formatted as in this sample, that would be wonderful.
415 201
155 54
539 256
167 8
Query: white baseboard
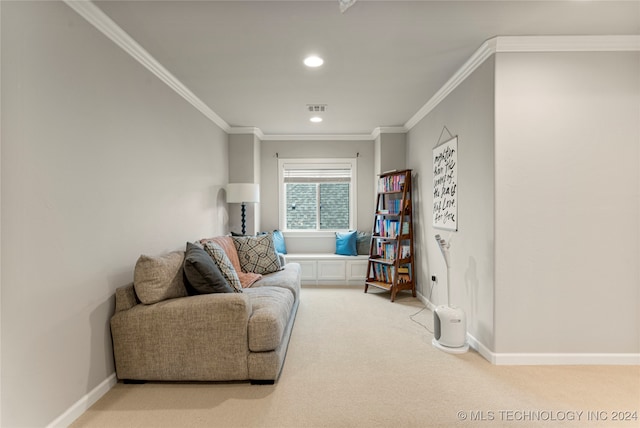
426 301
480 348
82 405
568 359
542 359
553 359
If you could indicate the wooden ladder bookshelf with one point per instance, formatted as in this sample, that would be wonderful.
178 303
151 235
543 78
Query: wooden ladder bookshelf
391 265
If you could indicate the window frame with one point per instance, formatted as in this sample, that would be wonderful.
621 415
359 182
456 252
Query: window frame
319 163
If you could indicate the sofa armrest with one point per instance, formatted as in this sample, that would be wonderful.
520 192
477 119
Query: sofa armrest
190 338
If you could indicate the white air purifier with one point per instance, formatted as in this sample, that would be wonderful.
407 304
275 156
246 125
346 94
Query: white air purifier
449 327
449 322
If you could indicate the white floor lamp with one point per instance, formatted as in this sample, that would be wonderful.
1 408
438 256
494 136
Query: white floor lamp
243 193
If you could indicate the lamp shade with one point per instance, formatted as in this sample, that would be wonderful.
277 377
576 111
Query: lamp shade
243 192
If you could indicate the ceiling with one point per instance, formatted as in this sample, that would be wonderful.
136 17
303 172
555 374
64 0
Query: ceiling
383 59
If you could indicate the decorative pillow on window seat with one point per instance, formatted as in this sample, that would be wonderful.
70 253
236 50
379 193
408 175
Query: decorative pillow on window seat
278 242
257 254
346 243
226 244
363 242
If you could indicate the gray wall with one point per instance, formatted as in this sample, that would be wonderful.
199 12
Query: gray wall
244 167
100 162
315 149
390 152
467 112
546 256
567 195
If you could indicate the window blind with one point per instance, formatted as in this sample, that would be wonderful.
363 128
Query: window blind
317 175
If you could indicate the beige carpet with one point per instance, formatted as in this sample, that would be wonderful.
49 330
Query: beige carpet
357 360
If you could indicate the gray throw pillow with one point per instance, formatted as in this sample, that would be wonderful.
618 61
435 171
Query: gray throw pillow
203 274
363 243
158 278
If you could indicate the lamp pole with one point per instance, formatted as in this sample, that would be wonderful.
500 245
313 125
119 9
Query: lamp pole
244 215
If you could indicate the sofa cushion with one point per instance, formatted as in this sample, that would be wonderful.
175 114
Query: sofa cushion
203 274
288 277
158 278
257 254
223 262
226 243
271 309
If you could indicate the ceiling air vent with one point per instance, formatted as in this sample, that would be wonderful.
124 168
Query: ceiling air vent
317 108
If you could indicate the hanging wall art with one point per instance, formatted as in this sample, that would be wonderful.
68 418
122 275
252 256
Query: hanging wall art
445 185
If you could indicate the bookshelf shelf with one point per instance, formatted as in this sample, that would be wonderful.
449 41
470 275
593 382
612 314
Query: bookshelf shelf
390 265
379 284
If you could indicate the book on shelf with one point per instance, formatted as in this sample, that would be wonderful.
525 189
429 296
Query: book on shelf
391 183
404 274
392 206
405 251
388 227
386 250
403 278
383 273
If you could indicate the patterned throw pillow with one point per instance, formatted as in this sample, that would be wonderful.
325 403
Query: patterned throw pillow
257 254
247 279
223 262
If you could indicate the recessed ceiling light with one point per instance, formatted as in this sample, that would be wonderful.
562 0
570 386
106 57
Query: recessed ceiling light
313 61
316 119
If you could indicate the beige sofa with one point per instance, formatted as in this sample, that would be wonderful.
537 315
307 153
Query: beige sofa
233 336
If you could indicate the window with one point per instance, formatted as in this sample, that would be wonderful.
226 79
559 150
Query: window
317 194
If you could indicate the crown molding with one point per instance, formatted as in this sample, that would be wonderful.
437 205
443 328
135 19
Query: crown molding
567 43
104 24
507 44
318 137
476 60
109 28
246 130
388 130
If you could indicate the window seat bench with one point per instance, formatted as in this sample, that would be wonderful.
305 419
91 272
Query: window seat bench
330 269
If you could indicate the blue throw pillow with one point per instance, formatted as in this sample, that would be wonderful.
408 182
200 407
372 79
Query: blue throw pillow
346 243
278 241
